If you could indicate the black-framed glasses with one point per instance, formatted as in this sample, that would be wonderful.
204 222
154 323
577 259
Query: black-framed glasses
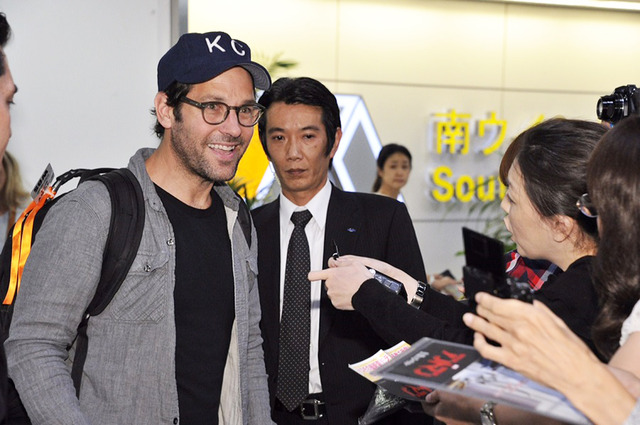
217 112
586 207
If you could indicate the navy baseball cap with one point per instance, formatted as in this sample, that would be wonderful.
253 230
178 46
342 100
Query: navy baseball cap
197 58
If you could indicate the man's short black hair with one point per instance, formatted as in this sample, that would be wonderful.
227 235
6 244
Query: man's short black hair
302 91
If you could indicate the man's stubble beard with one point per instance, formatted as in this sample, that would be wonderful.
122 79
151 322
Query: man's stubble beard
187 151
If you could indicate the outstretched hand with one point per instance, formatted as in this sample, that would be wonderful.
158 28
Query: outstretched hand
345 275
536 343
342 279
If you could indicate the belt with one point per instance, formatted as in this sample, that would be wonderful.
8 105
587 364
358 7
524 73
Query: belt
311 409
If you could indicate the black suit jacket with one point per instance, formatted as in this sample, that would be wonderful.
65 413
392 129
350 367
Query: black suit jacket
361 224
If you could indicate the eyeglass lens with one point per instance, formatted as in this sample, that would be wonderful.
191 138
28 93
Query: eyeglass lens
217 112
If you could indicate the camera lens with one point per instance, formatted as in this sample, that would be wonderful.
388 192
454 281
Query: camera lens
600 109
612 108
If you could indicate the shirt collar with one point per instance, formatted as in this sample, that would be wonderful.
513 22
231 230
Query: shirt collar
317 206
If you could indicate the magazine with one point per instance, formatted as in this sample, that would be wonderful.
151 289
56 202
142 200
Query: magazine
460 369
389 395
368 368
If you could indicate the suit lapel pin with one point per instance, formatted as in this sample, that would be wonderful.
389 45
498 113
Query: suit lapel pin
351 230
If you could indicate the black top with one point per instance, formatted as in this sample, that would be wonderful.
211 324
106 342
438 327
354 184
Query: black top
570 295
439 317
204 305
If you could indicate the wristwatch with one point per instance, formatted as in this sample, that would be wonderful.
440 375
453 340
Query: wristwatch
487 416
417 299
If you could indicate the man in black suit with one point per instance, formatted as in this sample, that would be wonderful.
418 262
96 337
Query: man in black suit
300 132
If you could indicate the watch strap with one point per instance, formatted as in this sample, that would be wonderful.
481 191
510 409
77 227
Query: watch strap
417 299
487 415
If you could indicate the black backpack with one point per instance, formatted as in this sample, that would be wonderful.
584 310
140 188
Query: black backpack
123 241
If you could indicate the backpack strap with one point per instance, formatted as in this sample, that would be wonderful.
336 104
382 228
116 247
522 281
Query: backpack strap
125 234
123 241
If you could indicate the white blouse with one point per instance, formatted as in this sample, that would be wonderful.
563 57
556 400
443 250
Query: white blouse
632 324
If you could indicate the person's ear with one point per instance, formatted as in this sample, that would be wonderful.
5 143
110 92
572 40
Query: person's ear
164 112
563 227
337 142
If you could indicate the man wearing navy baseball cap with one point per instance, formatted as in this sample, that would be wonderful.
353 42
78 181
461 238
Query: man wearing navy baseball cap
180 341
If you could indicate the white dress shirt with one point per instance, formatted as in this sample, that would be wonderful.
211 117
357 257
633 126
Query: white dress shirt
315 235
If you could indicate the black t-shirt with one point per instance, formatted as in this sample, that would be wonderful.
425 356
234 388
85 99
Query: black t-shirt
204 305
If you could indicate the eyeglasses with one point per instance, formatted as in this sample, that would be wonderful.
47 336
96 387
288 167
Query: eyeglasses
217 112
586 207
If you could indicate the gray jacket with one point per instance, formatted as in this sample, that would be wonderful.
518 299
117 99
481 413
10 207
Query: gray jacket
129 374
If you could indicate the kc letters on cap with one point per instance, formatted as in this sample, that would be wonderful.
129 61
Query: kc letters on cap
197 58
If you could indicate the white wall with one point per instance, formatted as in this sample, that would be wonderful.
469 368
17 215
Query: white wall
411 59
86 77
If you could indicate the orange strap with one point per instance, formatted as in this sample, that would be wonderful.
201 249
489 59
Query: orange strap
21 243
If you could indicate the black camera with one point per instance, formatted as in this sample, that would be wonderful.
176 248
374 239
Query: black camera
624 101
514 288
478 280
485 270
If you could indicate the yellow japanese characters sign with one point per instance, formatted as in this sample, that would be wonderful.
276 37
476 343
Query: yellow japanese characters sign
454 135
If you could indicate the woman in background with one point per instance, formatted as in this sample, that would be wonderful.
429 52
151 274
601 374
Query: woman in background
394 167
